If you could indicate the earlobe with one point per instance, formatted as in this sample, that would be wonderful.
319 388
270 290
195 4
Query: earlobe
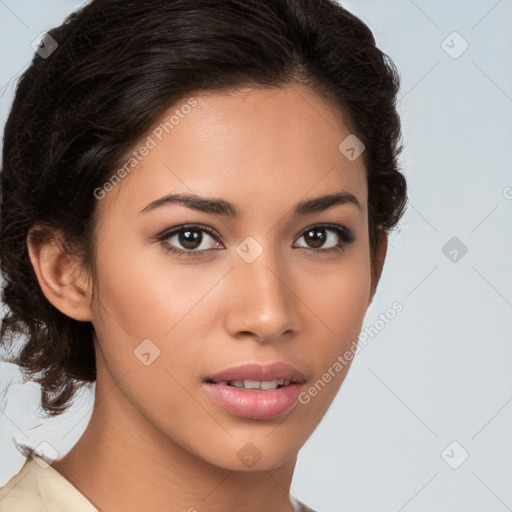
58 274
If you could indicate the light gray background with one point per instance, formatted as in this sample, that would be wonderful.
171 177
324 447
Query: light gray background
440 371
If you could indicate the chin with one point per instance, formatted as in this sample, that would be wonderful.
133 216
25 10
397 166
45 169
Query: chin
254 456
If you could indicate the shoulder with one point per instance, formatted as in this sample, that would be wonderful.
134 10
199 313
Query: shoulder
38 487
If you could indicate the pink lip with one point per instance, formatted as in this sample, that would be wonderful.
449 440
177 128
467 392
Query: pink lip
256 404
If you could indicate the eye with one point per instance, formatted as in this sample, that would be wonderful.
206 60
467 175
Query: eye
191 238
335 237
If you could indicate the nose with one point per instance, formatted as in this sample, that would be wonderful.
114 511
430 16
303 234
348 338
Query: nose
261 300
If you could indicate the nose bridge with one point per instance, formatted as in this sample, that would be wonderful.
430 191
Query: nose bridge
261 300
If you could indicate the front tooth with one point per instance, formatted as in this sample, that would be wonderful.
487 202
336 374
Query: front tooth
270 384
252 384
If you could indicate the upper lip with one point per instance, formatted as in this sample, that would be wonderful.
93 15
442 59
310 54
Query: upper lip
259 372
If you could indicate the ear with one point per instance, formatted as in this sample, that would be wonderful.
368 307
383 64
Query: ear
58 274
381 249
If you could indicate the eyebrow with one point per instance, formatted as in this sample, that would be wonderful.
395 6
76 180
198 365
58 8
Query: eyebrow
222 207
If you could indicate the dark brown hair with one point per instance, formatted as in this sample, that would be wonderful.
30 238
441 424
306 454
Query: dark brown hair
118 66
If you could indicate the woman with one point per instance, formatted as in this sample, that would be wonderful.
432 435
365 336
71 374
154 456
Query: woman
196 200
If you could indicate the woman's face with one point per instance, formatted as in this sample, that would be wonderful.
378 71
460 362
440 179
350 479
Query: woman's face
246 288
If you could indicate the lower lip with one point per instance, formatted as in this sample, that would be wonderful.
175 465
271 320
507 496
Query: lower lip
255 404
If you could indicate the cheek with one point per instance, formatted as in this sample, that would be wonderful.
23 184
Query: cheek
145 320
145 295
349 296
340 295
146 291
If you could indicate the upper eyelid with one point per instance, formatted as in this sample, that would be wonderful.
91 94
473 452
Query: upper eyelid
199 227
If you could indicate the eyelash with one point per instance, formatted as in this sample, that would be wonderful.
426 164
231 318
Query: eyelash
346 236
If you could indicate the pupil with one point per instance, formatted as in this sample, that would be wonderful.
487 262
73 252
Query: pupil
316 241
190 239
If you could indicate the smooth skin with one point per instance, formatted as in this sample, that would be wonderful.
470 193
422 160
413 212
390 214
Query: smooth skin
156 440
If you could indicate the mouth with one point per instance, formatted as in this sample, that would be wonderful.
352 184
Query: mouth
253 385
258 376
256 391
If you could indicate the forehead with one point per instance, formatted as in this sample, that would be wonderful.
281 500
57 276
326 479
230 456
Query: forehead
254 147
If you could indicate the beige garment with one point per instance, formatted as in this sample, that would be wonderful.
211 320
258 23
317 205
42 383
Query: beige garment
40 488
